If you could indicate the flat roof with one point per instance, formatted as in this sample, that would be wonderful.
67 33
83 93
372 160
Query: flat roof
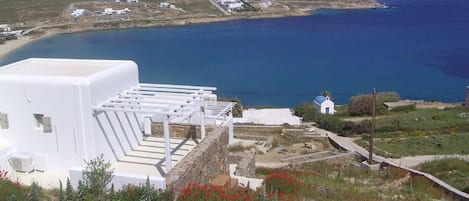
59 67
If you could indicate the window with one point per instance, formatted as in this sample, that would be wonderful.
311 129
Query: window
3 121
43 122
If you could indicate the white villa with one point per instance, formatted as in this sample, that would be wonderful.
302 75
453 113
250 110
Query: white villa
324 104
56 113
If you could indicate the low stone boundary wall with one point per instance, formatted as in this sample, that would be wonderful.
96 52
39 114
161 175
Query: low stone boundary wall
437 182
294 131
385 162
342 158
254 129
246 162
206 161
301 158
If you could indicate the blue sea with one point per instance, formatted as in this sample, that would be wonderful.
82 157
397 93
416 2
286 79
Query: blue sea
418 48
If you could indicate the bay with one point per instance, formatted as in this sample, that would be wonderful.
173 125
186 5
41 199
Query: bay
418 48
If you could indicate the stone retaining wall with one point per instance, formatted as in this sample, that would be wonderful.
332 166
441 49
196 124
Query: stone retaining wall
246 162
294 131
261 130
437 182
178 130
206 161
339 159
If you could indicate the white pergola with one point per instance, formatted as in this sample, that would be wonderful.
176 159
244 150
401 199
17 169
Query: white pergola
175 104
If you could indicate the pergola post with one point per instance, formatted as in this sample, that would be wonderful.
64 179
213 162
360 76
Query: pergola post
167 148
202 121
230 130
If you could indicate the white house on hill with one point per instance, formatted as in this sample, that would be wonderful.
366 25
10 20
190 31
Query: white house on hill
56 113
324 105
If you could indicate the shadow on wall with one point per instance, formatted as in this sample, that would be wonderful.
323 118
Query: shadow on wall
115 130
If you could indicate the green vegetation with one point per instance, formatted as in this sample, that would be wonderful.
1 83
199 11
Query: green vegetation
420 132
93 187
331 123
419 145
425 122
31 10
239 148
238 107
453 171
322 181
362 104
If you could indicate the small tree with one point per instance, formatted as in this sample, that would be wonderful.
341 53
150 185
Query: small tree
96 176
81 192
326 93
147 191
237 108
61 196
112 194
33 195
68 191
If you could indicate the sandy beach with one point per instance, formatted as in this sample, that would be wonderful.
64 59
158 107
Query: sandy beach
12 45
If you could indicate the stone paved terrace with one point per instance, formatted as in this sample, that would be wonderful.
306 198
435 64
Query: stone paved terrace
149 157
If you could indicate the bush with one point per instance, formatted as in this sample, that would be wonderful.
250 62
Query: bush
307 111
329 122
282 183
362 104
388 97
96 176
237 108
197 192
10 190
142 193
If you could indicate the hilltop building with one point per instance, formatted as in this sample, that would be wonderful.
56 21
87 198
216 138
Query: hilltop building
324 104
56 113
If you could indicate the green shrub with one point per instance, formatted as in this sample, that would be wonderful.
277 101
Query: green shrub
237 108
236 148
307 111
362 104
142 193
10 190
282 183
96 176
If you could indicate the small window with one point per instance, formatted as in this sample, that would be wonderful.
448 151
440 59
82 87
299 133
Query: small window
3 121
43 122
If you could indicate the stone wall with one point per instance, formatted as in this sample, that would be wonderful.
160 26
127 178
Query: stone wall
178 130
338 159
253 129
246 162
206 161
294 131
457 194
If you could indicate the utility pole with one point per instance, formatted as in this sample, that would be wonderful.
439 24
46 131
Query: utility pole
373 123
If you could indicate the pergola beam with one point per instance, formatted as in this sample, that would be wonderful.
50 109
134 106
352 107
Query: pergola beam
182 91
162 94
152 106
146 111
178 86
153 101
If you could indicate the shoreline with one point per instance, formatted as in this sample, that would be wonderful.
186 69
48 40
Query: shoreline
12 45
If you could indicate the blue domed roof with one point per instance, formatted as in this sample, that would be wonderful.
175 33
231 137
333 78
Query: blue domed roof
320 99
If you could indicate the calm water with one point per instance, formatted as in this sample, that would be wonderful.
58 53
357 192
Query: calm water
419 49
